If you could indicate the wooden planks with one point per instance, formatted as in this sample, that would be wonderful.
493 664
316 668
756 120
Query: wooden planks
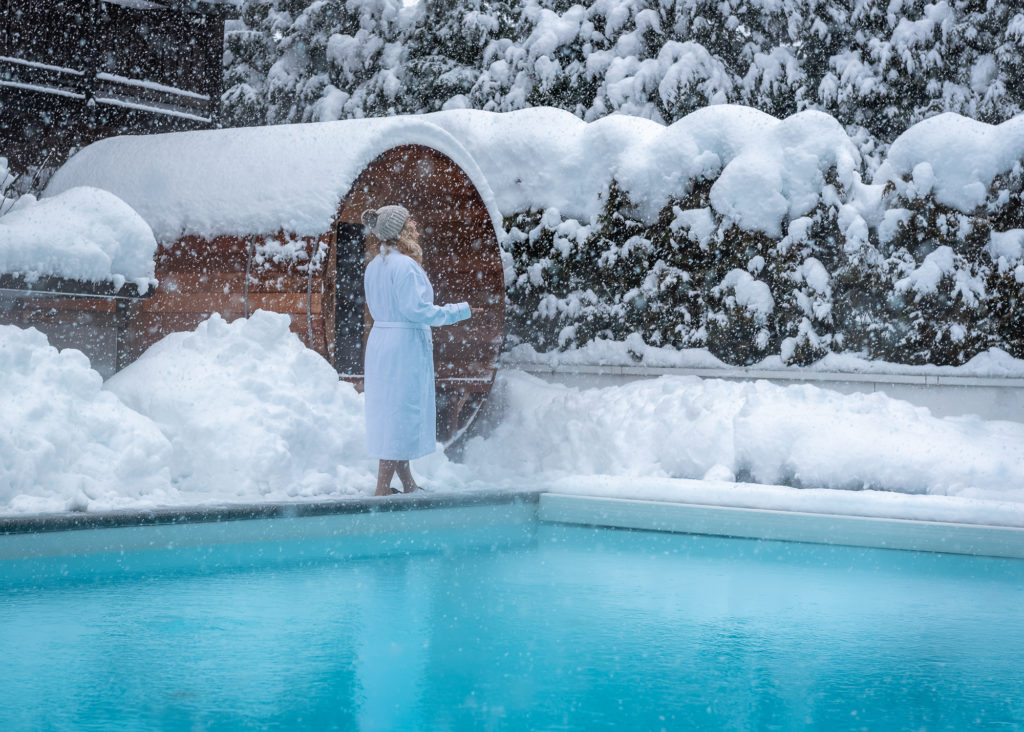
233 276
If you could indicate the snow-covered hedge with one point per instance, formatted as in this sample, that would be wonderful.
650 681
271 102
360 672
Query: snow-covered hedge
728 229
774 245
894 288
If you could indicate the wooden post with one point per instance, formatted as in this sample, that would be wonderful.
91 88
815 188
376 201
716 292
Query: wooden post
125 335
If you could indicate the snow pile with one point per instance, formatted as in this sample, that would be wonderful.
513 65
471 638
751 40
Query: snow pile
65 444
1007 251
242 412
250 413
229 413
954 157
83 233
684 427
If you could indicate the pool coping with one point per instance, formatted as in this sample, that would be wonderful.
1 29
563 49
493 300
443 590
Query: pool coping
570 509
122 518
783 525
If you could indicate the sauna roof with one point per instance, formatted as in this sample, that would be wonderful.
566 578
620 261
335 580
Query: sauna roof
84 235
240 181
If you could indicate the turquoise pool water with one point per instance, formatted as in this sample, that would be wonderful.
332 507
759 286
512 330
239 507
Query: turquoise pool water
518 627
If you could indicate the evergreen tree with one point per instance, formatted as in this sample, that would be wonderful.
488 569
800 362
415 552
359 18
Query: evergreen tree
248 55
741 323
446 46
364 48
1005 285
938 275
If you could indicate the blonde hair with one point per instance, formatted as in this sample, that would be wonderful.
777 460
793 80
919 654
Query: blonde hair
406 244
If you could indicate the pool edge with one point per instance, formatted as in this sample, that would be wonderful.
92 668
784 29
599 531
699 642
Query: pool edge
814 528
545 507
122 518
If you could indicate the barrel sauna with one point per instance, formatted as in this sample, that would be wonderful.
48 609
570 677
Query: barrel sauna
312 274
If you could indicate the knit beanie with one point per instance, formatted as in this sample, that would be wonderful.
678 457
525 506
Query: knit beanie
386 222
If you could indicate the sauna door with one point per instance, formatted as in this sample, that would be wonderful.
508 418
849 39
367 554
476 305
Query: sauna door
349 302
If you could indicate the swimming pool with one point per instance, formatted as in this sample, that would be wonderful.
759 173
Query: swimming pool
484 618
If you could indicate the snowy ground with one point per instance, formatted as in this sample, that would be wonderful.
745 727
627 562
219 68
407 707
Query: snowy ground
242 412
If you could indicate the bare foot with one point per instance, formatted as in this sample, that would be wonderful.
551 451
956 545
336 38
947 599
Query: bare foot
385 491
410 488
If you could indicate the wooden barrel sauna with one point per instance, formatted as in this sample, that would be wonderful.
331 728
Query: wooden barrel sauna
317 279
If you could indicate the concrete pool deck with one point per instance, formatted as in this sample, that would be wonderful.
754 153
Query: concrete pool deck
127 530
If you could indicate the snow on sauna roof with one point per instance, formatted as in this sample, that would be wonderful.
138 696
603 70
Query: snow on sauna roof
253 179
82 234
955 156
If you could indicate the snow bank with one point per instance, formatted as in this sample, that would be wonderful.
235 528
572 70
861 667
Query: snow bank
954 156
65 444
83 233
242 412
685 427
250 413
250 180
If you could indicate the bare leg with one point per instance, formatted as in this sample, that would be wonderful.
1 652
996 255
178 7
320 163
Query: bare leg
385 472
405 475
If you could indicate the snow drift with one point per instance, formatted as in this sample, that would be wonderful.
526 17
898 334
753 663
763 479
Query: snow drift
242 412
250 413
65 443
685 427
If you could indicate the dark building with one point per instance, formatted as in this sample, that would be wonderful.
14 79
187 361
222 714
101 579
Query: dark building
75 71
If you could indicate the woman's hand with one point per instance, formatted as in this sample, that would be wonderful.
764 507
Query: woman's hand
474 311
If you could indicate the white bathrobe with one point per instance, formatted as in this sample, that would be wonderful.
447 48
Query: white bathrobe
399 368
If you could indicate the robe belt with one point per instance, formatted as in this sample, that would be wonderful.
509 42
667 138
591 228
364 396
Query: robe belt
400 324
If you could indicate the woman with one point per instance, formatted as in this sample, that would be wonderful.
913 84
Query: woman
399 369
